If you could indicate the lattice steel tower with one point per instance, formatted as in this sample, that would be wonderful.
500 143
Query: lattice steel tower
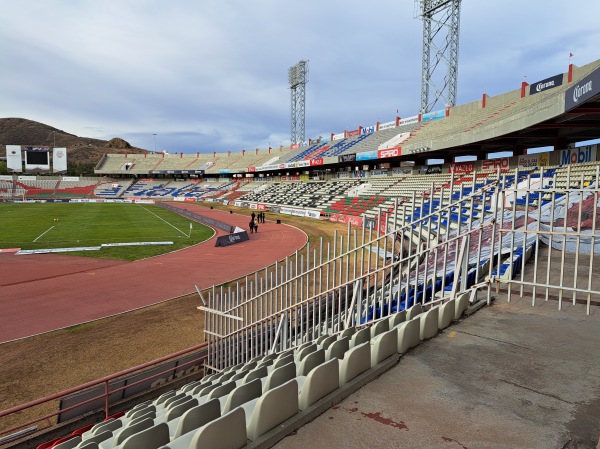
441 28
298 77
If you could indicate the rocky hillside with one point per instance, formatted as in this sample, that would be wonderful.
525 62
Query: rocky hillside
80 150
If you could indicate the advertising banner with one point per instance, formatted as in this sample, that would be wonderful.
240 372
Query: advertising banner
300 212
585 89
432 170
578 155
294 146
317 161
501 163
261 206
366 155
401 171
376 173
232 239
341 218
548 83
353 133
176 172
462 167
389 152
324 139
368 130
59 160
73 179
14 159
343 175
534 160
347 157
251 169
409 120
387 125
338 136
435 115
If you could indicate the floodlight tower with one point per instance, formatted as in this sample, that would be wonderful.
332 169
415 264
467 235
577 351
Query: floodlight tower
441 29
298 77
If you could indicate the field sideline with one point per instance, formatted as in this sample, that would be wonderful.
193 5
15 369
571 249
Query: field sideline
65 225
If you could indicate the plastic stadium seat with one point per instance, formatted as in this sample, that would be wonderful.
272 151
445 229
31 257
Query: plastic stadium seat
383 346
337 349
429 323
319 382
356 361
151 438
279 376
241 395
271 409
310 361
197 416
408 335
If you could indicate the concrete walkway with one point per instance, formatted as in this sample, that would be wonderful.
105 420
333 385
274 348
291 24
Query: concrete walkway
510 376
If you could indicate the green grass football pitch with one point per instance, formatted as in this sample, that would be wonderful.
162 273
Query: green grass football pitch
67 225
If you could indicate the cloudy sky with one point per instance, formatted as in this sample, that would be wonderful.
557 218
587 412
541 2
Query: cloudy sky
211 75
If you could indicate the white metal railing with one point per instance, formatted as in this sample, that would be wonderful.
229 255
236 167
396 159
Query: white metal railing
426 250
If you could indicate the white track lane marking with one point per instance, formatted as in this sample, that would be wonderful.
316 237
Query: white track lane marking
185 235
42 234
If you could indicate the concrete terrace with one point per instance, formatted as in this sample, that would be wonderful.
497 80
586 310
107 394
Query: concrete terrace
510 376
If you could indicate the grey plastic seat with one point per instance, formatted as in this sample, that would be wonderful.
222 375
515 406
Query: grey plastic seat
69 444
305 351
96 438
196 417
360 337
429 326
413 311
151 438
271 409
383 346
279 376
319 382
312 360
179 409
379 328
356 361
337 349
409 335
121 434
240 395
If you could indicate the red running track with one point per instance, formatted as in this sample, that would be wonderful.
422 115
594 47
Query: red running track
45 292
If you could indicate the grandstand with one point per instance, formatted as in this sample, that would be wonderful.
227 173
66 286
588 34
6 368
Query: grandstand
433 242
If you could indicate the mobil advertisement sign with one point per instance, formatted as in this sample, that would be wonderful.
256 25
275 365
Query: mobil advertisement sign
578 155
495 164
462 167
389 152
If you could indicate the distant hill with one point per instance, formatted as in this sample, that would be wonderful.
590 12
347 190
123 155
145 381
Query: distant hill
80 150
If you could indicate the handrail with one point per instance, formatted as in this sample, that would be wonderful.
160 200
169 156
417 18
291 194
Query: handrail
93 383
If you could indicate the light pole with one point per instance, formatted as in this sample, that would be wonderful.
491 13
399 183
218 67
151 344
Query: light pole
154 142
54 135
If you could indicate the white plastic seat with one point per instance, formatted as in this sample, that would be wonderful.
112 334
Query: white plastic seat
409 335
429 323
271 409
279 376
356 361
383 346
319 382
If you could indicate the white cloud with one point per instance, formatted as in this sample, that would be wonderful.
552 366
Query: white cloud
212 75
